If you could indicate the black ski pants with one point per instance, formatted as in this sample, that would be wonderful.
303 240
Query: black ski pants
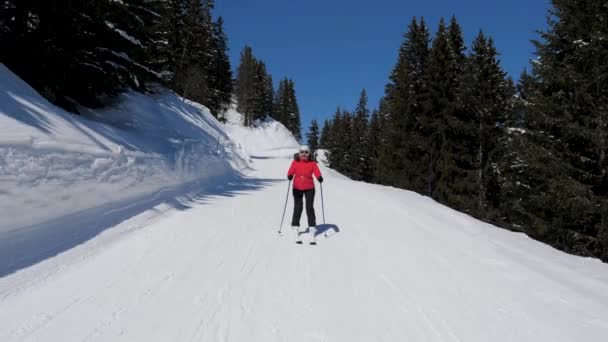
297 209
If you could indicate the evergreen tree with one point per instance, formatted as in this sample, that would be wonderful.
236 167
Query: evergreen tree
345 138
444 123
286 109
245 82
220 72
359 147
80 52
381 130
565 125
192 76
293 113
279 106
254 90
401 158
325 139
262 96
487 94
313 135
336 142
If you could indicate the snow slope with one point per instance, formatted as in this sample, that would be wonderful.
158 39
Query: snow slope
266 138
394 266
202 262
53 163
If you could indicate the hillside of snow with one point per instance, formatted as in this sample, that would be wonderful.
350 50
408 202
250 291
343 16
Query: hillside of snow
266 138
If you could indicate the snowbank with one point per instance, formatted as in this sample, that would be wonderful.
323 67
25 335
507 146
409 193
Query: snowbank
267 138
53 163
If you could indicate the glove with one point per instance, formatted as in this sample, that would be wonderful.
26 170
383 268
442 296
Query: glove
290 177
320 179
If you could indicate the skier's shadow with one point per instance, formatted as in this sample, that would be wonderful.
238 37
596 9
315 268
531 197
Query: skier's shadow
327 230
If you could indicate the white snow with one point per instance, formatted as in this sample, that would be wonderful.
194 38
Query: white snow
516 130
53 163
123 34
201 261
266 138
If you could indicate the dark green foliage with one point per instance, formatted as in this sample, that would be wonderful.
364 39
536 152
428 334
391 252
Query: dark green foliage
486 92
563 148
444 122
84 52
359 147
325 139
77 52
401 155
254 90
337 144
285 107
220 74
313 135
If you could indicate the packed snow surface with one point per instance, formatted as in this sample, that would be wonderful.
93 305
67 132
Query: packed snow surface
202 261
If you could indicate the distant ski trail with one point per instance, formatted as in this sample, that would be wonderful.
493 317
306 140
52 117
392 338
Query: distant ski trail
398 267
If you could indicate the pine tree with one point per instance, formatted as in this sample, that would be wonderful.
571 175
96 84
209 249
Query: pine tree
344 138
245 82
443 121
359 147
381 130
80 52
313 135
336 143
487 93
192 75
566 126
260 104
325 139
278 107
293 119
254 89
401 160
286 109
220 71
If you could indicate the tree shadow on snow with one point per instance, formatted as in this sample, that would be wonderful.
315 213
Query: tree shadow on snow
25 247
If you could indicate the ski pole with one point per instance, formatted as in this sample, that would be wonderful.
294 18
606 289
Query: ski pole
322 204
285 208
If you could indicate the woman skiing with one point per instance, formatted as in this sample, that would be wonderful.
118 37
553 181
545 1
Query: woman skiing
302 168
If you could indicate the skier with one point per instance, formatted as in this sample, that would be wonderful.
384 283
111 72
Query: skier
302 168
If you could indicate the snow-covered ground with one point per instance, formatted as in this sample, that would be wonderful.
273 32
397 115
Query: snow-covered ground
201 261
64 178
53 163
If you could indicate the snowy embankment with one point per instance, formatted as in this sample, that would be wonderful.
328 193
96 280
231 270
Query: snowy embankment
267 138
54 163
61 174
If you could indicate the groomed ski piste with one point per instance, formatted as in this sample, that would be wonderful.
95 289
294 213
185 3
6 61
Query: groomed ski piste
152 221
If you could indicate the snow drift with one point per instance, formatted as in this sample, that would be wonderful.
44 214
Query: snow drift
53 163
267 138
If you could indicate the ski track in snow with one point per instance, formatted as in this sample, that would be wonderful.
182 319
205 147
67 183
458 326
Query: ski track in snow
400 267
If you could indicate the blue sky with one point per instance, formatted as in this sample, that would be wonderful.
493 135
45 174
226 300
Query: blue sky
334 48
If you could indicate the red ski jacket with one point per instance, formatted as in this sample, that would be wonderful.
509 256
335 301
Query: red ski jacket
302 172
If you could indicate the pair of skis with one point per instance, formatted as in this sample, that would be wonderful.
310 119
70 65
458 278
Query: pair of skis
299 240
312 242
